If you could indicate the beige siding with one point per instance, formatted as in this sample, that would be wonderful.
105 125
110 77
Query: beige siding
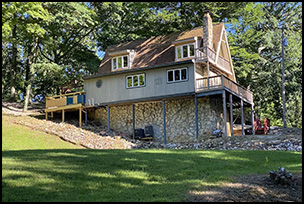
114 89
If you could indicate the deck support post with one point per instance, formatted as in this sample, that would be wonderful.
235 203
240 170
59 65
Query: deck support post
242 117
80 114
164 121
63 115
46 115
252 119
52 114
133 119
196 117
208 84
108 119
231 115
225 112
86 116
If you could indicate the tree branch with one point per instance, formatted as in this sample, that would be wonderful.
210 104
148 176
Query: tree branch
44 54
72 45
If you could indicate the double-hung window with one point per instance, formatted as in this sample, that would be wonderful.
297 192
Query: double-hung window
134 81
177 75
120 62
184 51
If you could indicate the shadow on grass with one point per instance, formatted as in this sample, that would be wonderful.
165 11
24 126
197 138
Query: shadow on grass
127 175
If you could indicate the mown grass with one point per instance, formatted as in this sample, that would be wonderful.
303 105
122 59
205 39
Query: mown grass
17 137
153 175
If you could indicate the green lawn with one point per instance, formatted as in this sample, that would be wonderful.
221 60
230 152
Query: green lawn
47 170
17 137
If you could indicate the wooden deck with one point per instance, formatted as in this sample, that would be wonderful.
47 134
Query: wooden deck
60 103
221 82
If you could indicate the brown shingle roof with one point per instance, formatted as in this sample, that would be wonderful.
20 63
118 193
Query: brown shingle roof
155 50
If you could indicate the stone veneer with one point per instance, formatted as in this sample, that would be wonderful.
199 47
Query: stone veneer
180 118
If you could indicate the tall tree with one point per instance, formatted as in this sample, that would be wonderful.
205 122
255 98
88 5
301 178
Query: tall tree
125 21
69 42
256 44
58 36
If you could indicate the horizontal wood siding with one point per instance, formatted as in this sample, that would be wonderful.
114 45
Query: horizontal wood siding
114 86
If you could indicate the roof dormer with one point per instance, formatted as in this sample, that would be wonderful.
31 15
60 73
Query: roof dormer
185 48
121 59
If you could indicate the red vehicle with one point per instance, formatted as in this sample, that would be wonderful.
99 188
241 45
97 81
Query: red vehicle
259 129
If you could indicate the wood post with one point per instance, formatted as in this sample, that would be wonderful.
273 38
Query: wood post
208 72
63 115
252 119
46 115
86 117
196 117
164 121
242 117
80 114
108 119
225 112
52 114
231 114
133 117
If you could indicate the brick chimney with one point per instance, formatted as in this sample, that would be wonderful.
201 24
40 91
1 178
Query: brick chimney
207 29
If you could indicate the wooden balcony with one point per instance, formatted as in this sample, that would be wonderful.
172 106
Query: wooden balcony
220 62
222 82
64 101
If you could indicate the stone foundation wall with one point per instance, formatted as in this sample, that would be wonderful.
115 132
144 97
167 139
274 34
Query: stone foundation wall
180 118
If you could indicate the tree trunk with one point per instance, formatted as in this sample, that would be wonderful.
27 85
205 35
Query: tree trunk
28 92
13 65
27 71
28 81
32 54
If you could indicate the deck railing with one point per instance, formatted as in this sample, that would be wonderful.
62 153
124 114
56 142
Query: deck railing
211 54
65 99
221 81
222 62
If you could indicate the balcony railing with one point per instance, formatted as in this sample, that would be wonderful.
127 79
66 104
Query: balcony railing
221 62
65 100
221 82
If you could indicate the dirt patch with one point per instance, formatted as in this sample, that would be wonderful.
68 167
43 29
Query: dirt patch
253 188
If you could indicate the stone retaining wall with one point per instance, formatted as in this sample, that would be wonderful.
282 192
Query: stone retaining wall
180 118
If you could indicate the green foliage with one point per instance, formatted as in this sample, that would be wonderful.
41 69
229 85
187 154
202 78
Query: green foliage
55 43
126 21
256 47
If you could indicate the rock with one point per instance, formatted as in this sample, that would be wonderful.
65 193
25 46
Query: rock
281 176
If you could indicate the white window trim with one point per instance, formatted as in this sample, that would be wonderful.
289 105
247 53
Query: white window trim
180 75
182 53
132 76
122 62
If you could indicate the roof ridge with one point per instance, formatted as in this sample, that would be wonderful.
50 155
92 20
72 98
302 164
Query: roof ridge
167 34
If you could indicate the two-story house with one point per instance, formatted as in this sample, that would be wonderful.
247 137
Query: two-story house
183 84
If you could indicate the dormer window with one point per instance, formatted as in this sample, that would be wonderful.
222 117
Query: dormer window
122 59
185 51
120 62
